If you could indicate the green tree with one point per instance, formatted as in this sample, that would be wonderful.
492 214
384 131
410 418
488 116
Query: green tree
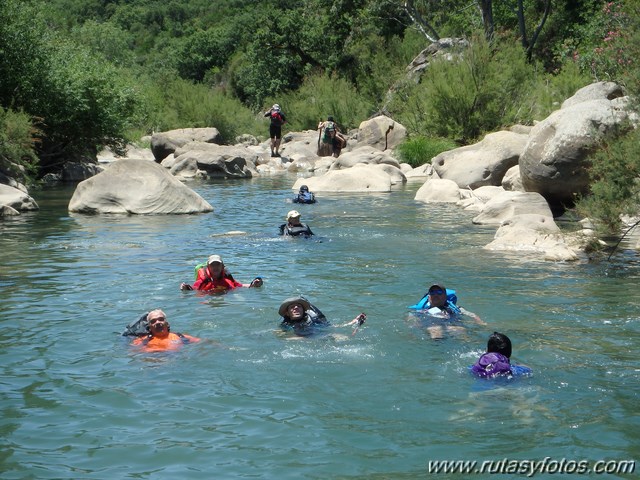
465 97
79 100
18 138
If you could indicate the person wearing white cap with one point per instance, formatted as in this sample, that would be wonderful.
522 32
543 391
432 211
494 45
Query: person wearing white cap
294 227
214 277
275 128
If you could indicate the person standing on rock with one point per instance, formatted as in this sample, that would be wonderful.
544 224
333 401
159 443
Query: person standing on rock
275 128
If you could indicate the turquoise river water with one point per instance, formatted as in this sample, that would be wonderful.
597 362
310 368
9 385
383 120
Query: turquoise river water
78 402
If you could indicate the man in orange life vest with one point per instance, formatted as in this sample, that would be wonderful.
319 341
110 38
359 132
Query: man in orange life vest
160 337
214 278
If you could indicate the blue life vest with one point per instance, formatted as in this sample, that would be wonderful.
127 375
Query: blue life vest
452 299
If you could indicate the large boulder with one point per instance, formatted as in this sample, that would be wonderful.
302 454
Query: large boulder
438 190
360 178
106 155
364 154
595 91
6 179
475 200
300 144
73 172
483 163
532 233
17 200
381 132
444 47
216 161
166 143
512 179
136 186
509 204
554 162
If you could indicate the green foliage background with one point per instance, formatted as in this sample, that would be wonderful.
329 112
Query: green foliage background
84 74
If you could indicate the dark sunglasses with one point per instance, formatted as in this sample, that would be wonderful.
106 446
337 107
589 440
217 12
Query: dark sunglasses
436 292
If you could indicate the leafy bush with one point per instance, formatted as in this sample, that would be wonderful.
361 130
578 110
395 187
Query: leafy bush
82 101
18 137
463 98
420 150
552 89
615 188
321 96
175 103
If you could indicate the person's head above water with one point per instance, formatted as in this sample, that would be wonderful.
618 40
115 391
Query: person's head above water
437 295
499 343
294 308
215 265
304 188
158 324
293 217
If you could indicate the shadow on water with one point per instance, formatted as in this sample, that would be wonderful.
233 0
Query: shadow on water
78 402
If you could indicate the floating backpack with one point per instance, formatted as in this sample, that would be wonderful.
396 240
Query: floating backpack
139 328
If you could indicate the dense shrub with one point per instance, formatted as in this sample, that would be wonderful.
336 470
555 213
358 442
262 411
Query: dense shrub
420 150
469 95
18 138
175 103
321 96
615 187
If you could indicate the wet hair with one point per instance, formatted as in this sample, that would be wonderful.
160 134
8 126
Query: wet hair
304 188
499 343
330 118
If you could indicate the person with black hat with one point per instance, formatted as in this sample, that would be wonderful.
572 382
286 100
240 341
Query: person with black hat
440 303
304 319
304 196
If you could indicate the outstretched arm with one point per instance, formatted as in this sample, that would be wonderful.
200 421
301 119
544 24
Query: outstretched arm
255 283
475 317
358 321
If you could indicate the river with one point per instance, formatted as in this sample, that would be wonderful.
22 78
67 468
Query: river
79 403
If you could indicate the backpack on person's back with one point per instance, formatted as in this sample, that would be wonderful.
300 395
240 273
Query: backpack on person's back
329 129
277 118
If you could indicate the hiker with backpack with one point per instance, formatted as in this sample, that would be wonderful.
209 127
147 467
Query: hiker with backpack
330 136
275 128
214 277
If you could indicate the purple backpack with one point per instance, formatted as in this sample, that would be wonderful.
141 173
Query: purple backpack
491 364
